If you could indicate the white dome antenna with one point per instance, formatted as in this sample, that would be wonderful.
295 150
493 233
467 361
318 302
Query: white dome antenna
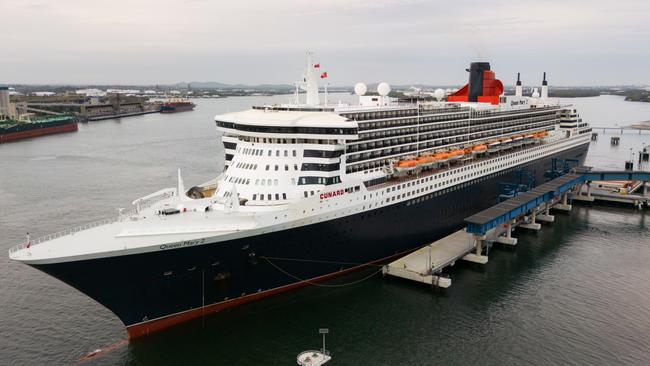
439 94
383 89
360 89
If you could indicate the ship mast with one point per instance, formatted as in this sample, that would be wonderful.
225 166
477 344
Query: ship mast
311 80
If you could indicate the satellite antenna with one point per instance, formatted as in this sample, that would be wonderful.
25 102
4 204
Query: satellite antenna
383 89
360 89
439 94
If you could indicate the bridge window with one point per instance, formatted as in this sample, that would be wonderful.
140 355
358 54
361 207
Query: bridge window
322 154
320 167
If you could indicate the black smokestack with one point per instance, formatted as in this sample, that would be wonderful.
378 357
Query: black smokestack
518 81
544 82
476 79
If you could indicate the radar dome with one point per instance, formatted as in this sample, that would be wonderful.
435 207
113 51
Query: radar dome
360 89
439 94
383 89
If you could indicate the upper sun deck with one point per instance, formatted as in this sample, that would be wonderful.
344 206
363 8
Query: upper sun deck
288 124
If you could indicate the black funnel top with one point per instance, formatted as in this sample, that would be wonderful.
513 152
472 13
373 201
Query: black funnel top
518 80
544 82
476 79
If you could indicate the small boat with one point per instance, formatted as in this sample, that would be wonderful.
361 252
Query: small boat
494 146
537 137
479 149
529 139
441 157
426 160
406 165
456 154
517 140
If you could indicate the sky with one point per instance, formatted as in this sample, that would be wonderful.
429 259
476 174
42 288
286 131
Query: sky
578 43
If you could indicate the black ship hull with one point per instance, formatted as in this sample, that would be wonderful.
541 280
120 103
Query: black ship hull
154 290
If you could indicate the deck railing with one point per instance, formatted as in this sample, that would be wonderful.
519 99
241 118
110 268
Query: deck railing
71 231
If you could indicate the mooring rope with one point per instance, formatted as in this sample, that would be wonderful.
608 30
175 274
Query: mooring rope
322 261
268 259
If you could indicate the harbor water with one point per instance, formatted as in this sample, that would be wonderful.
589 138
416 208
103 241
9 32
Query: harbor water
575 293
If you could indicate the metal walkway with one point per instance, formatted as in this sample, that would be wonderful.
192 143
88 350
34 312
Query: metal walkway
425 264
495 224
544 194
521 204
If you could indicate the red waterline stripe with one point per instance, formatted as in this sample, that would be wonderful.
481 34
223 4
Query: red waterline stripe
151 326
102 351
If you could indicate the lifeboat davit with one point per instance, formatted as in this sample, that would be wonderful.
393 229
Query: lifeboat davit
506 143
517 140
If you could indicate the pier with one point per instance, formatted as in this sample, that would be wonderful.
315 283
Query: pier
527 210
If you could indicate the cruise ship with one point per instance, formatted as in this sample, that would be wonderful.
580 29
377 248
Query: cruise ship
311 190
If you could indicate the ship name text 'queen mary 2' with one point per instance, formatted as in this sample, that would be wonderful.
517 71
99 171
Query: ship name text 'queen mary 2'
310 191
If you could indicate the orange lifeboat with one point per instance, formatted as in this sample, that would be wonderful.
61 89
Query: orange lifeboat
494 146
406 165
441 157
425 160
528 139
479 149
456 154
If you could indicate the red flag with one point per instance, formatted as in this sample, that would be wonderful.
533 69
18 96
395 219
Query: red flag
323 75
316 66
